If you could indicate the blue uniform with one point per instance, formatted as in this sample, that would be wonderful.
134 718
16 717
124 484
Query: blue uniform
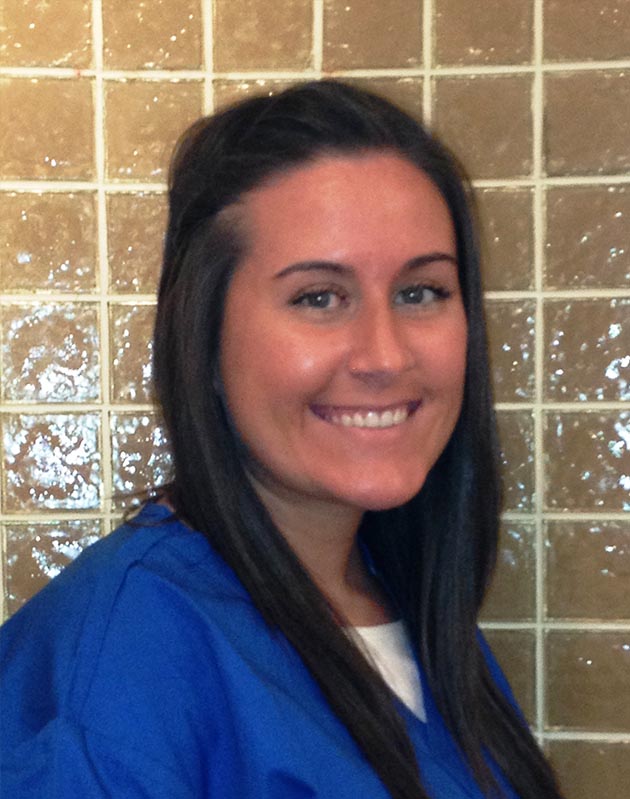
145 671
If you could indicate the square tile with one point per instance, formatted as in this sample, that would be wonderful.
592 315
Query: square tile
495 32
587 349
274 35
144 119
515 651
131 349
48 242
50 352
586 30
156 35
487 122
605 118
589 769
51 462
588 237
512 594
511 331
141 457
48 131
516 433
372 35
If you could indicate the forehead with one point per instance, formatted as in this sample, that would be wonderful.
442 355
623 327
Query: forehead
378 198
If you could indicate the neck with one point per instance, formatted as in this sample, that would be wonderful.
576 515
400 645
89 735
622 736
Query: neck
323 535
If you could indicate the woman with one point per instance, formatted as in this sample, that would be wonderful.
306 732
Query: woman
320 360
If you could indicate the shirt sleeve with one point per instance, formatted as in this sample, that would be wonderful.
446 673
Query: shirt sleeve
65 760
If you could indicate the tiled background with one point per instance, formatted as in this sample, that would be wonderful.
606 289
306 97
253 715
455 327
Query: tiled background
535 97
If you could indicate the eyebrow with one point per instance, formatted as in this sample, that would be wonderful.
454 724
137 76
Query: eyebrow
342 269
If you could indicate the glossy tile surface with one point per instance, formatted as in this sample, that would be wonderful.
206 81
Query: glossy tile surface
587 461
47 129
131 329
586 29
487 122
135 237
507 238
48 242
588 570
606 117
49 352
588 237
589 769
515 652
36 33
587 673
250 35
516 432
512 594
140 455
51 462
498 32
588 350
143 121
360 35
37 552
511 334
160 34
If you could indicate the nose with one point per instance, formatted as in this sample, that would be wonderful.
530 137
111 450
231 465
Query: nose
380 346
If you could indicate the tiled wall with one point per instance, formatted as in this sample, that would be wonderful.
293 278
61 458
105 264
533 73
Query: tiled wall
535 97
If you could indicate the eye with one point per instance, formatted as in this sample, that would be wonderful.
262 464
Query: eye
421 295
320 299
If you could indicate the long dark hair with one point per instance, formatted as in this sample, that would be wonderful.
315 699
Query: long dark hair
435 553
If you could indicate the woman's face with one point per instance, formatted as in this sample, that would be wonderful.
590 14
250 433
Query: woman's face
344 338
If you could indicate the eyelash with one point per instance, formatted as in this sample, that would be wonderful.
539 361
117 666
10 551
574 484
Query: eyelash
312 298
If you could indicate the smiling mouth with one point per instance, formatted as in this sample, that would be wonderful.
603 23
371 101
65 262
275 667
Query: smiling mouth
350 417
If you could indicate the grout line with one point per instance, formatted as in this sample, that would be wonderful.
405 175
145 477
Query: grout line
427 57
175 75
539 254
103 265
318 37
207 22
56 186
559 625
585 735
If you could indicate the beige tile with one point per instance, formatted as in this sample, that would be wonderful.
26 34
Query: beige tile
250 35
512 594
588 237
406 93
47 131
591 769
487 122
143 121
507 238
587 349
50 352
48 242
160 34
131 347
588 570
583 138
587 673
228 91
516 431
587 461
52 462
36 33
496 32
135 234
359 35
511 335
38 551
140 455
515 650
587 29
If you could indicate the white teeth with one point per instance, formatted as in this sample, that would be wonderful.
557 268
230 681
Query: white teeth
371 419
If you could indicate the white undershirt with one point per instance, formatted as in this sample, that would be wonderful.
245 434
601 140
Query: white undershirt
389 649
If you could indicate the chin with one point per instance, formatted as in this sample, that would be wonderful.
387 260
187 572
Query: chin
375 498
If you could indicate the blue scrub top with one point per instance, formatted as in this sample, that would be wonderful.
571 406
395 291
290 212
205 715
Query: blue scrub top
144 671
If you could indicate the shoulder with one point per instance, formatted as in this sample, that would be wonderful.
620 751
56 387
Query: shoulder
122 607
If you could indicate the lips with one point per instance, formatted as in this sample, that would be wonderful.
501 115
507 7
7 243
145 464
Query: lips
375 418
